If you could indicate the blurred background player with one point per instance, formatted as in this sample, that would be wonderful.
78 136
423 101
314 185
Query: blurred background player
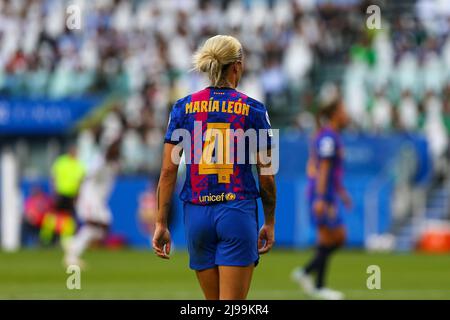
92 205
325 170
67 175
221 219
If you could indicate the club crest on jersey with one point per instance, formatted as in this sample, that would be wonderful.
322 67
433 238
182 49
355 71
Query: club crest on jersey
230 196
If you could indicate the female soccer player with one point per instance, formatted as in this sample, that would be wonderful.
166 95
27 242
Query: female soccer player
92 204
220 209
324 170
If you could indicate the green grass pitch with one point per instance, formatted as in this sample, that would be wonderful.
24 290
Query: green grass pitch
134 274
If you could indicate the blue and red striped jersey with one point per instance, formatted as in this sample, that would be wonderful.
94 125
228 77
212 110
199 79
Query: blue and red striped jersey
326 145
222 174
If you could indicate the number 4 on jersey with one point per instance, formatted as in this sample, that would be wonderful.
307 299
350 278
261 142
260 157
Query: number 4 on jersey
217 139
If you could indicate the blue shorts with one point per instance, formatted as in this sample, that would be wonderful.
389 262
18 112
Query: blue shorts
332 220
223 234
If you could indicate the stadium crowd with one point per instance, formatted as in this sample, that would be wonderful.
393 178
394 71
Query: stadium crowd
395 78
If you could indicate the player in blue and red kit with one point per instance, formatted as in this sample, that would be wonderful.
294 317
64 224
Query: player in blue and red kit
325 171
220 192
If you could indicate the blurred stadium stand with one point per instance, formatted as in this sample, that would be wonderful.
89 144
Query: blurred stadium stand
130 61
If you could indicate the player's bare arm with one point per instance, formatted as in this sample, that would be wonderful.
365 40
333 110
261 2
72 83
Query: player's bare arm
267 189
166 185
345 197
322 177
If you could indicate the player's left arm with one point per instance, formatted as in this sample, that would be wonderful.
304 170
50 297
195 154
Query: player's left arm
161 239
344 196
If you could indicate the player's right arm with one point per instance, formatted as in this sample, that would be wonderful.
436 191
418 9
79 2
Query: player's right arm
266 177
268 192
168 177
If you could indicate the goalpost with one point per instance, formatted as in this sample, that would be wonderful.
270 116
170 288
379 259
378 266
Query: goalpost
10 215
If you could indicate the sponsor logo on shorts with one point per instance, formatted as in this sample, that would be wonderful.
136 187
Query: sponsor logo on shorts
217 197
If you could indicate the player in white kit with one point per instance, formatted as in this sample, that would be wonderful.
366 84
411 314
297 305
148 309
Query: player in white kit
92 204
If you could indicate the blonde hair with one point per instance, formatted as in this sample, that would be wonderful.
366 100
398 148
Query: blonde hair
216 53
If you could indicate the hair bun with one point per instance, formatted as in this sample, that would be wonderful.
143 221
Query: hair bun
216 52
